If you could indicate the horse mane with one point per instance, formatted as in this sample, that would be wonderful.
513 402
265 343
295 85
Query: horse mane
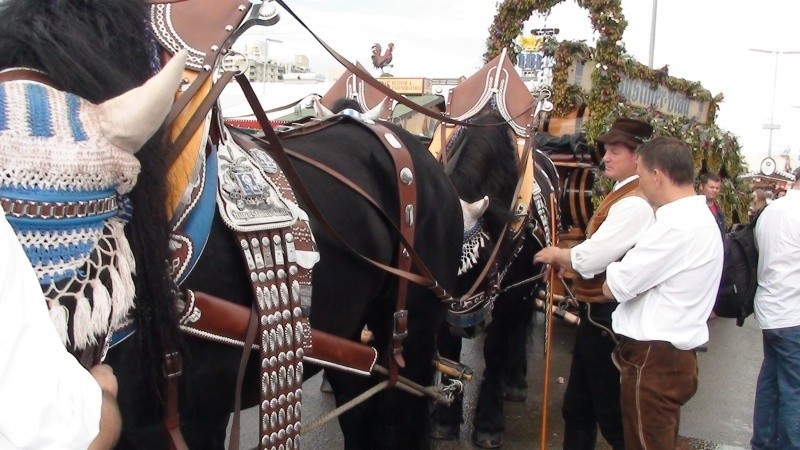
98 49
487 165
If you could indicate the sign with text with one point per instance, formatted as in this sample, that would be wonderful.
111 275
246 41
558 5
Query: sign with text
642 93
408 86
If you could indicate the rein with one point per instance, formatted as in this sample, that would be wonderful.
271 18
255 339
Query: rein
382 88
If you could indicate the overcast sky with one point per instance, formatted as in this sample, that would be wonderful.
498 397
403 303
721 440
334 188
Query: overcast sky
701 40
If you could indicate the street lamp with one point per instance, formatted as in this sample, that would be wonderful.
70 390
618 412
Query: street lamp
653 33
771 126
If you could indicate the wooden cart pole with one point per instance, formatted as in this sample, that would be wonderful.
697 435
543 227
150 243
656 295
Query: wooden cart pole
548 323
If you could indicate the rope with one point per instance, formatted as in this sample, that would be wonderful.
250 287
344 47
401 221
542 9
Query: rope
345 407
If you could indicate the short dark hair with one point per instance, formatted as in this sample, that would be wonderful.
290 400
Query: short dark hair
669 155
710 176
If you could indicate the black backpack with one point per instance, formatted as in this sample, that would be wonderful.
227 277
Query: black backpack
737 287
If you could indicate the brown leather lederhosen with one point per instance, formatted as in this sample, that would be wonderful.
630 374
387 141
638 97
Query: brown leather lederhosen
592 289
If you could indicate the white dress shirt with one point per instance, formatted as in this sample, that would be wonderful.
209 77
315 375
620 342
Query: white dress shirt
777 302
626 220
668 282
47 399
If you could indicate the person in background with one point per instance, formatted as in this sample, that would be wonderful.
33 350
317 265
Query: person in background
47 399
776 413
666 286
592 395
710 186
759 199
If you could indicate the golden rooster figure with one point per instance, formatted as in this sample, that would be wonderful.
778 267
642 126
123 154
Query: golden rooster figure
379 61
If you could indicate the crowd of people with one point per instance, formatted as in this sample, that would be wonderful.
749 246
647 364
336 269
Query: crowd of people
655 250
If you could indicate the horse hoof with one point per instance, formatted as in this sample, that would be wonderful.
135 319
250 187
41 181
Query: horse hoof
515 394
445 432
487 440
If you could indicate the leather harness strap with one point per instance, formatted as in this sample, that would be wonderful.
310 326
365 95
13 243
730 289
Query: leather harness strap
27 75
407 192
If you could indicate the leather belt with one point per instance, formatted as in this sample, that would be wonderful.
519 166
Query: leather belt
31 209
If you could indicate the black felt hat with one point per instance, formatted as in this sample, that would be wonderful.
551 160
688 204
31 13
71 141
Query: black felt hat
630 132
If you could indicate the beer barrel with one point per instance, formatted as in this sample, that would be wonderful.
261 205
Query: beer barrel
576 197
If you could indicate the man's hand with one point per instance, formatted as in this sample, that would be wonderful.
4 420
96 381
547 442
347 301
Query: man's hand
554 256
110 419
104 375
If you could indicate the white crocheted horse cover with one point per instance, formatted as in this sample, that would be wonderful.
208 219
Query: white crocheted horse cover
52 150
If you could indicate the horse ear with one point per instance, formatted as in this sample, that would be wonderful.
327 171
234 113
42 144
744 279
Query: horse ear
375 113
132 118
322 111
476 208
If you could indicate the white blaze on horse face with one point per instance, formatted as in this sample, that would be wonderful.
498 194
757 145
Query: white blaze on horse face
130 119
471 212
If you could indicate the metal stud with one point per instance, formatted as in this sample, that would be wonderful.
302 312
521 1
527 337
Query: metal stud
281 274
297 312
281 418
406 176
215 48
286 316
284 295
242 7
273 422
288 335
273 361
265 384
228 28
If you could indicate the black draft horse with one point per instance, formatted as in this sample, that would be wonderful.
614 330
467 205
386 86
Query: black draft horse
98 49
487 166
347 293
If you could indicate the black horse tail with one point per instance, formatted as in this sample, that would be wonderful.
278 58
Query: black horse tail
51 36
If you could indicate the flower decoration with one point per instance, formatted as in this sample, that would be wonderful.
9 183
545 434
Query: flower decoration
713 148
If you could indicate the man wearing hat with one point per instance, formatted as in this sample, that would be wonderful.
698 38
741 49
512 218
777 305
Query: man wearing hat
592 397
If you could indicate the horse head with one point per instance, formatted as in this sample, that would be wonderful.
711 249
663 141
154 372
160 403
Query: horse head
59 149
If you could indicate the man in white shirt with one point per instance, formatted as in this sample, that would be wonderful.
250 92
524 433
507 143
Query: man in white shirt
47 399
666 286
776 416
592 395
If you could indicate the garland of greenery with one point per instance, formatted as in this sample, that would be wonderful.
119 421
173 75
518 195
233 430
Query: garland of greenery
714 149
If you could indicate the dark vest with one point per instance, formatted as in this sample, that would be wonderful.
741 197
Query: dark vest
592 289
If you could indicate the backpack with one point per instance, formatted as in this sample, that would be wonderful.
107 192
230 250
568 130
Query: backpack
737 287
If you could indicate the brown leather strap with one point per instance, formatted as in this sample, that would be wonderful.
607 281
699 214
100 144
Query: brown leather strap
250 339
181 102
26 75
229 320
370 80
173 368
407 191
198 117
426 279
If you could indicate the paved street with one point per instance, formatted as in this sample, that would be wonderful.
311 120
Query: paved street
719 416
